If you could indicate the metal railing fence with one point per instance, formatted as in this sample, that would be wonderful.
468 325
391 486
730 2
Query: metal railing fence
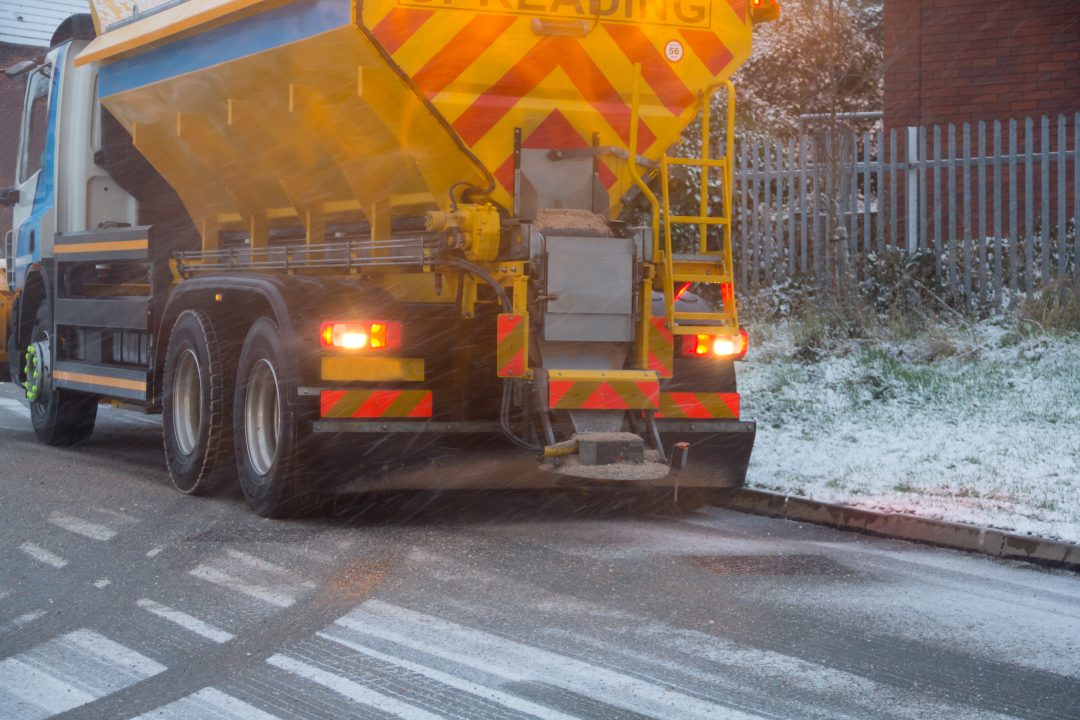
994 203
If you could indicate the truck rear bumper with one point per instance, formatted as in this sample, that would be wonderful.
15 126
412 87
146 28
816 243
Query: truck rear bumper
400 455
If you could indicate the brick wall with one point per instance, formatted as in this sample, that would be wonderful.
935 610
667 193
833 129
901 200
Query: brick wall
968 60
11 101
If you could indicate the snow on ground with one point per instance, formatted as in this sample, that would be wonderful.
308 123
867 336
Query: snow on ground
990 435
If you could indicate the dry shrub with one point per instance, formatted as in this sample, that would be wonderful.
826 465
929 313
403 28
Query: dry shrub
1054 309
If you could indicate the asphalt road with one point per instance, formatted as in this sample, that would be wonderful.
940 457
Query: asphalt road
121 598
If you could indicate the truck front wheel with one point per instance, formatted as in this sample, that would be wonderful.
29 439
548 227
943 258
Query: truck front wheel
196 407
59 417
268 431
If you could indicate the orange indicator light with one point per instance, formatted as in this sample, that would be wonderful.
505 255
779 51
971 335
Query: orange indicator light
728 347
361 335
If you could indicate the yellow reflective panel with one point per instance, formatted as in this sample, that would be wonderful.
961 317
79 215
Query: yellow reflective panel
245 106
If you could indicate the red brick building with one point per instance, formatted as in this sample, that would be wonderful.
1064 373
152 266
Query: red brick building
969 60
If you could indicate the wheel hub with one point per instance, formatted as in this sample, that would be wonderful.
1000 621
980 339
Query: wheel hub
187 402
262 419
34 369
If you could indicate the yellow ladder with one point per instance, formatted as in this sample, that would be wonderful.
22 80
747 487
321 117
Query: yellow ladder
703 265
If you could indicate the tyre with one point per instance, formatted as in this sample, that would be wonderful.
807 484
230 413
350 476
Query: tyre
196 407
59 417
268 431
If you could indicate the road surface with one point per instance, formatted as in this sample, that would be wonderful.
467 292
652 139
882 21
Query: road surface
121 598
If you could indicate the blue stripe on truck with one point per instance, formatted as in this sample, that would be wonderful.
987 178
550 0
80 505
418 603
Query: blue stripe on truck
45 190
289 23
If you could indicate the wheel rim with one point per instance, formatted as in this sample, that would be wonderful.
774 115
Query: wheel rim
34 369
187 402
262 422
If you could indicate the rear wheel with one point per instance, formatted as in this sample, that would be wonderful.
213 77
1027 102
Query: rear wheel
59 417
196 415
268 431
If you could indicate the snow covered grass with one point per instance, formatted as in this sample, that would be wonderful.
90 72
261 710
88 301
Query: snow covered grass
971 423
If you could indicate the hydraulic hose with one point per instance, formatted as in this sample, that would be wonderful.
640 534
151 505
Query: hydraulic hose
480 191
507 306
474 269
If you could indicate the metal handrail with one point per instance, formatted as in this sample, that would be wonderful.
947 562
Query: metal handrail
347 254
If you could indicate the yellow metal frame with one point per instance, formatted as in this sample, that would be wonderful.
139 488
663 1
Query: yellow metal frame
706 266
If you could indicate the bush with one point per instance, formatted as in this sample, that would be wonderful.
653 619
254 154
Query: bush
1055 309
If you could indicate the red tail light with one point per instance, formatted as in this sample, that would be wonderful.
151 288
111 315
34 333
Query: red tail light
764 10
361 335
727 347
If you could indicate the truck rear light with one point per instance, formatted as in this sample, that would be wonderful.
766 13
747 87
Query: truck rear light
728 347
371 335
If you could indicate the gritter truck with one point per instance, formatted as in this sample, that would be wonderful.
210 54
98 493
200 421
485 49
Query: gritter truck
320 236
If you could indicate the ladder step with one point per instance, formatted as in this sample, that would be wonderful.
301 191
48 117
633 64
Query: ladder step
702 329
707 279
697 220
698 162
707 257
718 316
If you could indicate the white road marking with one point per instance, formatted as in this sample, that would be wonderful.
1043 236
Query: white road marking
42 555
516 661
30 694
94 531
188 622
154 551
254 577
17 622
259 592
207 703
66 672
353 691
15 407
266 567
27 617
511 701
123 517
102 583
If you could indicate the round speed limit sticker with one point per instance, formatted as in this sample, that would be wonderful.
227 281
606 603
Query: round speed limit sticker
673 51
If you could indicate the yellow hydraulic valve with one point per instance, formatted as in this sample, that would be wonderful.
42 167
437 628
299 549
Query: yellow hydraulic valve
477 227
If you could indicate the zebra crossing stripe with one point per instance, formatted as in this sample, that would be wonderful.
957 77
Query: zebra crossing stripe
513 702
188 622
352 690
516 661
252 576
92 530
207 703
42 555
66 672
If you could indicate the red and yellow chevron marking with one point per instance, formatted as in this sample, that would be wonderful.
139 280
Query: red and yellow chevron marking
661 348
375 403
608 390
698 405
490 66
512 345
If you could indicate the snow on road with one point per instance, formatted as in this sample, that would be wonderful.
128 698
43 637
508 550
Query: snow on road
988 435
